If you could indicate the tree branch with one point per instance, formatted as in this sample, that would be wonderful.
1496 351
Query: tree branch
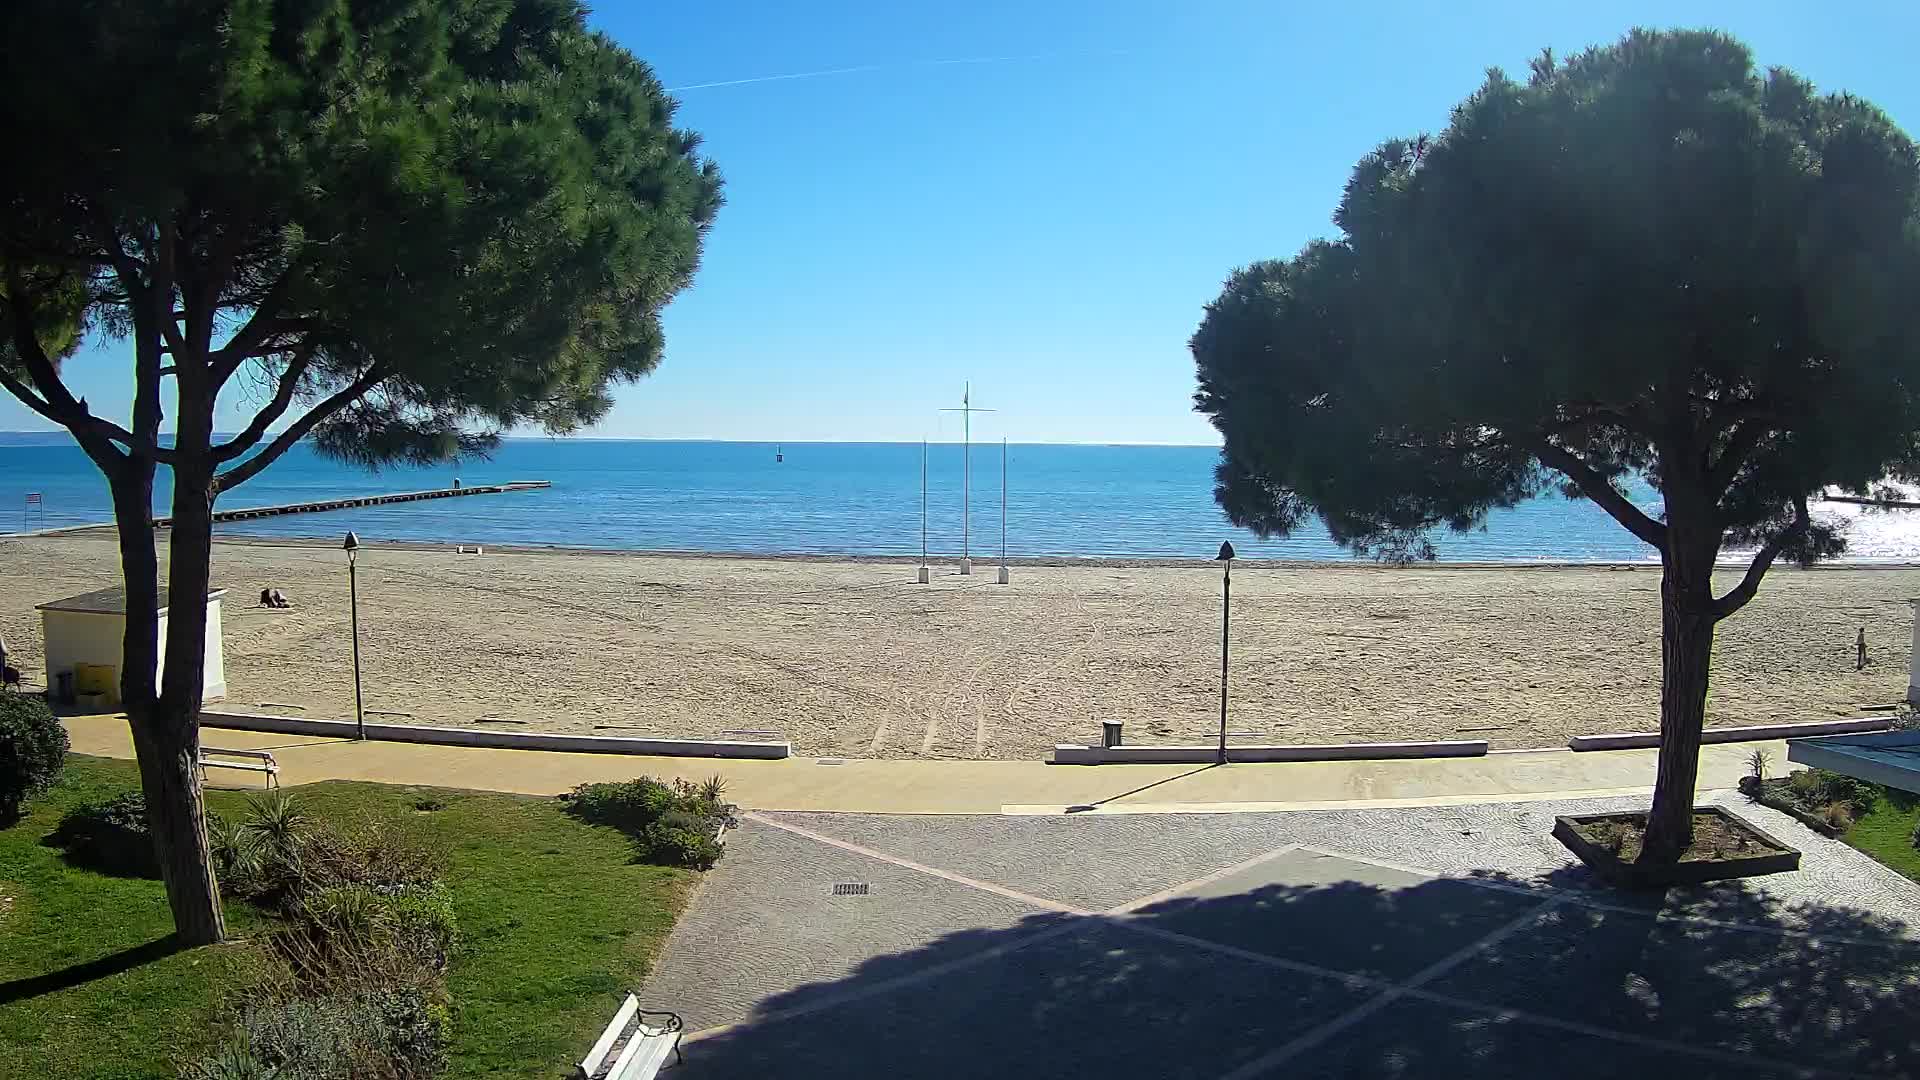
298 430
1746 435
282 397
28 398
1601 490
261 325
54 401
1762 560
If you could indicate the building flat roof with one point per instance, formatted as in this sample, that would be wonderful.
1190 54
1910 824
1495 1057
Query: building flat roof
1888 757
110 601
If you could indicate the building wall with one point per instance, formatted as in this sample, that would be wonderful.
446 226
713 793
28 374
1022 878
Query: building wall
76 637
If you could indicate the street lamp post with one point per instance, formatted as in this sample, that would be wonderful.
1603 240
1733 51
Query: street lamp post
352 548
1225 558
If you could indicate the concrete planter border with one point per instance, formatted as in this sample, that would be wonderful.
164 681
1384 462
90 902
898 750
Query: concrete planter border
1611 868
1642 740
503 740
1077 754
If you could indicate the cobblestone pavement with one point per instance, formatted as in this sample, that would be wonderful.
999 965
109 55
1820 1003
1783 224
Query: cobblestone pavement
1453 941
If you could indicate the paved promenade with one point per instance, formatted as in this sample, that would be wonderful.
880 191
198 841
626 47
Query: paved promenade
969 787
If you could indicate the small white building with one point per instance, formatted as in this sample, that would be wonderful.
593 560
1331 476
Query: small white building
91 629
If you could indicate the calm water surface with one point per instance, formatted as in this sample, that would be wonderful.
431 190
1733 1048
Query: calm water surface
835 498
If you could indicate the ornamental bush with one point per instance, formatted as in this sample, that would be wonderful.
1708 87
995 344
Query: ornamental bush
33 750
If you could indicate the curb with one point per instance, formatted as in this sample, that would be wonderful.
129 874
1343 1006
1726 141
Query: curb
1076 754
1644 740
500 740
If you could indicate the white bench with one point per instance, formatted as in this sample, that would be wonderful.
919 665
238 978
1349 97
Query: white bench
252 761
633 1047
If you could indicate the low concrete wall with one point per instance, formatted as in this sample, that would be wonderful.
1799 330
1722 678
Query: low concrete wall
1076 754
505 740
1642 740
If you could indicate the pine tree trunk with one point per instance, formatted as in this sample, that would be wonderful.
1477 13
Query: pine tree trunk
1686 654
166 742
132 486
174 804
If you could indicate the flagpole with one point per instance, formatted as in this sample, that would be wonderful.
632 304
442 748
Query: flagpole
966 411
925 574
966 479
1003 510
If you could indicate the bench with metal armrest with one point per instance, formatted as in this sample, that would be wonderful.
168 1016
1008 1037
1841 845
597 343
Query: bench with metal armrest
250 761
634 1046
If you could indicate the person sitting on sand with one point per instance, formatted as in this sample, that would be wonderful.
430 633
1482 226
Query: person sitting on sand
274 598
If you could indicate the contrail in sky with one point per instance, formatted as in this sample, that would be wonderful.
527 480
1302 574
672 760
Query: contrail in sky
882 67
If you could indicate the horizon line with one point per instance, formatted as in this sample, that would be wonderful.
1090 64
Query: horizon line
745 442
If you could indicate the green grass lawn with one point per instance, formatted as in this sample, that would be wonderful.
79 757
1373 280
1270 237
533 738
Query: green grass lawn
1886 833
556 920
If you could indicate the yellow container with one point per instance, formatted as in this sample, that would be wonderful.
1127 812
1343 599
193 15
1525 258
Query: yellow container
97 679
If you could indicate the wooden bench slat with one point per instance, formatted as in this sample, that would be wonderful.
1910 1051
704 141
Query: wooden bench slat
653 1046
597 1056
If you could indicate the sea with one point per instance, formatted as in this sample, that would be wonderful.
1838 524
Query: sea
1060 501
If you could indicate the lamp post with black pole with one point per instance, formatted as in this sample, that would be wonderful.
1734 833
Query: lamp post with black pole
352 548
1225 558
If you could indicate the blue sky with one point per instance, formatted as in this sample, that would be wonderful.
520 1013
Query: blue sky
1048 219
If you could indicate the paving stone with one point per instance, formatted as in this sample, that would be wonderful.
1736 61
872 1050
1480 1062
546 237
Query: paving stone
1336 913
764 937
1846 1007
1088 862
1417 1040
1096 1002
766 926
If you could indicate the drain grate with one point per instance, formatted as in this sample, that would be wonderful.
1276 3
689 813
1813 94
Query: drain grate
850 888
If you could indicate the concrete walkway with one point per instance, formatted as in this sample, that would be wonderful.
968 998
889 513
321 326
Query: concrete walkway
1423 944
970 787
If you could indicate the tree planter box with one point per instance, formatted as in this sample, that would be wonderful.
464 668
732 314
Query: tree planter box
1770 856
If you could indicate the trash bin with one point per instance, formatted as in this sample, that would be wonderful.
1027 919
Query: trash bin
1110 733
63 687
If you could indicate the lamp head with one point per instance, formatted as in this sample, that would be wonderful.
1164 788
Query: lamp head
350 545
1226 552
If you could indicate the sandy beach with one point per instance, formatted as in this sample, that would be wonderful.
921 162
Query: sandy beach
854 659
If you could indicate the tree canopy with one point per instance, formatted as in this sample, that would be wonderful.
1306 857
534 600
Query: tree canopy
409 223
1650 260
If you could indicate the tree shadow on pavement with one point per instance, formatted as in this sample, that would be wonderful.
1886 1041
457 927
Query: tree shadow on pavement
1508 984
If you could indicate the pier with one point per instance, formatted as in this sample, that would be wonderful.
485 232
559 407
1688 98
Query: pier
354 502
1883 504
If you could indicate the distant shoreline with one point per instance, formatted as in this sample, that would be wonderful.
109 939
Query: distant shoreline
982 561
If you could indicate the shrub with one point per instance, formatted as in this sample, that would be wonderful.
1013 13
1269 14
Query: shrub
234 1061
397 1032
1815 790
350 933
677 824
1916 835
1838 816
370 854
683 847
352 983
110 836
422 924
279 857
33 750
